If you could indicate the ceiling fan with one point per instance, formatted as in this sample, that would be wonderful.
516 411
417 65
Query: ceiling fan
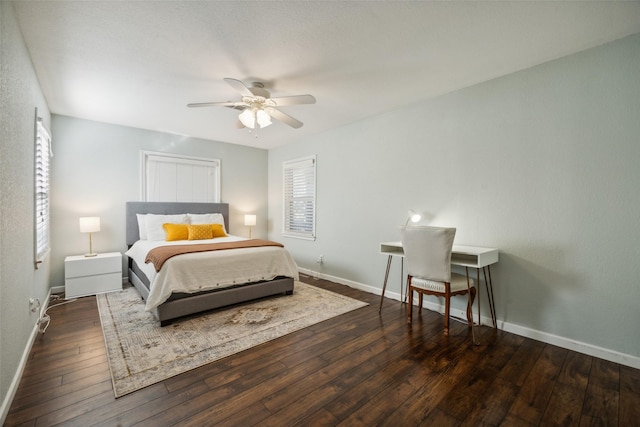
257 106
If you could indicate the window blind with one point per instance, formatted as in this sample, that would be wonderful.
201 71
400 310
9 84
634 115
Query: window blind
171 177
299 177
43 155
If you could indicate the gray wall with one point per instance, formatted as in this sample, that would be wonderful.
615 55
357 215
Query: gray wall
542 164
96 169
20 94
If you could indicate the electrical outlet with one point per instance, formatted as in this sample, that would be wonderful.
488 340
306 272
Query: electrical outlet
320 259
34 304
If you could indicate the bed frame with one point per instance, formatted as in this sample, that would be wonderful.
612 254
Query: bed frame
182 304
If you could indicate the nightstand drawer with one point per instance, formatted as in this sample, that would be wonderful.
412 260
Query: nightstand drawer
80 266
91 285
92 275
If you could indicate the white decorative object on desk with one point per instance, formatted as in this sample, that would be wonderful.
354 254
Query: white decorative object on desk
414 217
94 275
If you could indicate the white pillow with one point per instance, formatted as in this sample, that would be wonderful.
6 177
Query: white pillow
210 218
142 226
154 224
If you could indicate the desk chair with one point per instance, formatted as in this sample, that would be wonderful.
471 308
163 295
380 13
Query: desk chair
427 253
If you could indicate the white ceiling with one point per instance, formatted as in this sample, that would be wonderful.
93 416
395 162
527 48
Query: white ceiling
138 63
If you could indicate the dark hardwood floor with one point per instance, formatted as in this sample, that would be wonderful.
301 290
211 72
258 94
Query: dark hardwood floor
360 368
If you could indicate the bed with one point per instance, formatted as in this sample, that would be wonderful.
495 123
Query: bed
204 280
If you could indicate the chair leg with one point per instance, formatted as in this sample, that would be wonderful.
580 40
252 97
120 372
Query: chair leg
420 295
447 299
409 302
475 339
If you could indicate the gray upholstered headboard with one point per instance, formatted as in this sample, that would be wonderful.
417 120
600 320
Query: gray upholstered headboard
168 208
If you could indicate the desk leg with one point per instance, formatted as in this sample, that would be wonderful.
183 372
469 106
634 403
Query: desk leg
489 285
479 294
384 286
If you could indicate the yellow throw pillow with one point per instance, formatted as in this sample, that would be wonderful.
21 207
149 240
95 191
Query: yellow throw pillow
200 231
218 230
176 231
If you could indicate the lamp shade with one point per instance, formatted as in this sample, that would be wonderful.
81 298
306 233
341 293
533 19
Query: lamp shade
263 118
247 118
250 116
89 224
250 220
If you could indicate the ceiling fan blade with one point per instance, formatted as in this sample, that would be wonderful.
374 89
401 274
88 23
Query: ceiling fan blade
293 100
216 104
240 106
239 86
284 118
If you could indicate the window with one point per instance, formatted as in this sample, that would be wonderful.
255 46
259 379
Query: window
174 178
43 153
299 177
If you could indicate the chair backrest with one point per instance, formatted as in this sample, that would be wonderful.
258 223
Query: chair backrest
427 252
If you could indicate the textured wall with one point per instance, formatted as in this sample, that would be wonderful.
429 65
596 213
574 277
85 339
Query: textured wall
20 94
96 169
542 164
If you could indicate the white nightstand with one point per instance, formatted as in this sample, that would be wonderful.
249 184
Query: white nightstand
92 275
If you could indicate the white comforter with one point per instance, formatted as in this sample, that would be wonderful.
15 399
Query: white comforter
202 271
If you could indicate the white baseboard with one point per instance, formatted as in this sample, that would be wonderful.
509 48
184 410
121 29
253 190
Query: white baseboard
15 382
570 344
57 290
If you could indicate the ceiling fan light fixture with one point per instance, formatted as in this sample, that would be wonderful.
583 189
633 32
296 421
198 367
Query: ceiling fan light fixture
258 108
263 118
251 116
247 118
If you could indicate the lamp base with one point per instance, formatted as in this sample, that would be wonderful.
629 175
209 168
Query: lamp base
90 255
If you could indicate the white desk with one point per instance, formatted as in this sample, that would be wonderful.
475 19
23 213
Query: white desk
464 256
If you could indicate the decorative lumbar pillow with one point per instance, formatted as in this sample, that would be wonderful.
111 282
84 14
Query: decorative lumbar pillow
155 229
176 231
210 218
218 230
200 231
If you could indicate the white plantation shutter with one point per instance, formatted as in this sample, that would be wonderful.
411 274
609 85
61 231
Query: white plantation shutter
43 154
299 177
171 177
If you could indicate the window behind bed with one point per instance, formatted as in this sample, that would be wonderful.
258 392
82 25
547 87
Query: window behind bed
168 177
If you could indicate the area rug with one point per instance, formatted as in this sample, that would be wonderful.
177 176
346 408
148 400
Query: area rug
141 353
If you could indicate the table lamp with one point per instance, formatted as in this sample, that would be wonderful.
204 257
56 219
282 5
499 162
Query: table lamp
90 224
249 221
